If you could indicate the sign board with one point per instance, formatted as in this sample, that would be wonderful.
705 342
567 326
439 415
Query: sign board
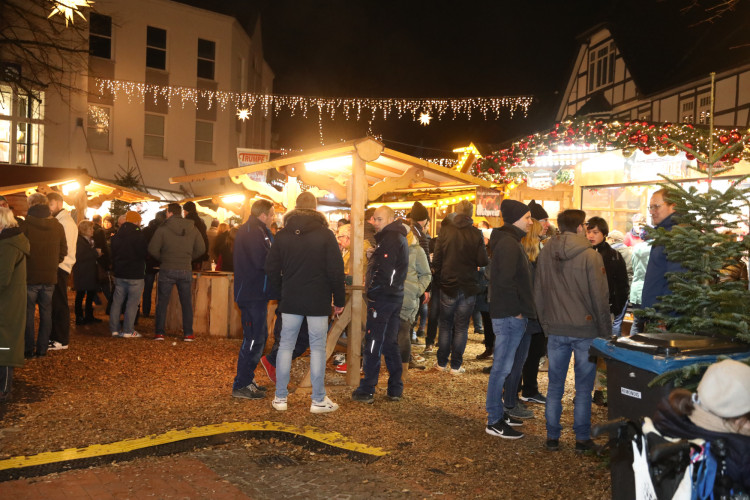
488 202
247 157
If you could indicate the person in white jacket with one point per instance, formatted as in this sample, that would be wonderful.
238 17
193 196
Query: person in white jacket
60 335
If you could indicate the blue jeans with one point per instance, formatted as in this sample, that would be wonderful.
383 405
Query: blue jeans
42 295
303 340
455 313
617 322
476 319
317 327
132 290
382 339
254 335
508 335
513 381
167 279
148 288
559 349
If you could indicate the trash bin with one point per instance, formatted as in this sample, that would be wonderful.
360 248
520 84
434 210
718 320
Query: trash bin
632 362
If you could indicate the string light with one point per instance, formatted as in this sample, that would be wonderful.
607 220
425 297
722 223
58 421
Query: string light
350 107
67 8
100 118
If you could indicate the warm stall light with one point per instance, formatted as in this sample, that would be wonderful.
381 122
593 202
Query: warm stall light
337 164
70 188
234 198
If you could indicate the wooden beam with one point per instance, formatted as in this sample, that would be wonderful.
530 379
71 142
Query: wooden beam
202 176
393 183
357 218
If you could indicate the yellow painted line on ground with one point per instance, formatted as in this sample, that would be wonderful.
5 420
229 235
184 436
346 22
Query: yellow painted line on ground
329 438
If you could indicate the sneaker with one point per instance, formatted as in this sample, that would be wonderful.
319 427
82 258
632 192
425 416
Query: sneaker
439 368
257 387
393 398
511 421
339 359
552 444
599 398
115 334
420 333
520 412
503 430
57 346
269 368
458 371
428 349
362 397
188 338
413 338
158 336
485 355
279 404
536 398
133 335
417 358
249 392
487 369
544 364
341 368
584 446
325 406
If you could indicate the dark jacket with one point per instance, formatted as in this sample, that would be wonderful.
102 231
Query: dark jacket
101 241
655 284
388 265
617 277
459 251
14 249
176 244
305 265
48 245
85 270
224 251
128 247
511 282
251 246
201 227
152 265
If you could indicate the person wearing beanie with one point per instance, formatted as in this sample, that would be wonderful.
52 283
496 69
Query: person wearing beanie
60 334
128 250
305 268
539 213
511 308
190 212
420 218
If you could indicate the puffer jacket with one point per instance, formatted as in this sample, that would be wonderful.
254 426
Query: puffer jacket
128 248
386 270
570 289
417 280
48 245
641 253
459 251
176 244
14 250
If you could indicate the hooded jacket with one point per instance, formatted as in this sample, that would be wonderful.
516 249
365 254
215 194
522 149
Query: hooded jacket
251 246
570 289
417 280
459 251
304 265
14 250
71 238
511 283
128 247
386 270
617 277
176 243
656 284
641 253
48 245
85 270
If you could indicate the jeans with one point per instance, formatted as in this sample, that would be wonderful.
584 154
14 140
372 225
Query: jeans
317 328
167 279
254 335
130 290
148 288
303 340
60 309
42 295
477 320
381 338
559 349
508 332
617 322
433 316
510 389
455 313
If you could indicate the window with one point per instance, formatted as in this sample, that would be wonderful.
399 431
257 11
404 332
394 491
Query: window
98 127
153 140
204 141
601 67
206 59
156 48
20 126
100 36
687 106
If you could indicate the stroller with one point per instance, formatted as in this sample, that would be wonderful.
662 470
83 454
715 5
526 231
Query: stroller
647 465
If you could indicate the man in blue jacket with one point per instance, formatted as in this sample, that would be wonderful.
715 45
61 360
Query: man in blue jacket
128 251
655 284
386 272
251 292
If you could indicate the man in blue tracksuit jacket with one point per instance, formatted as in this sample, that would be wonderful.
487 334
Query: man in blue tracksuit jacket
655 284
252 292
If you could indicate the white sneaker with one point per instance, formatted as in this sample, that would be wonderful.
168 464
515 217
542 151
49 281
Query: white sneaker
57 346
133 335
459 371
279 404
325 406
115 334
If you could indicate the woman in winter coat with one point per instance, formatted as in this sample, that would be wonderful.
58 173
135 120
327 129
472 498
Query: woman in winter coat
14 248
85 273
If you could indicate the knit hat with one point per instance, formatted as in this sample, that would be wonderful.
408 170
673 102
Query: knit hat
133 217
307 200
537 211
616 236
724 389
512 210
418 212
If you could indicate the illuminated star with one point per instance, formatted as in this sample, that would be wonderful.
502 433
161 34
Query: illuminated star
425 118
243 114
69 7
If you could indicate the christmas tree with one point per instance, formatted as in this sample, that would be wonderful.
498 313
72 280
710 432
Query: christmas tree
127 179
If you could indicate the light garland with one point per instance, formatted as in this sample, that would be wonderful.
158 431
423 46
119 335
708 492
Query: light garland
349 106
100 117
67 9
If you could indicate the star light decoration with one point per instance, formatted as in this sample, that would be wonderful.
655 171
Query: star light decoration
67 8
729 146
243 114
424 119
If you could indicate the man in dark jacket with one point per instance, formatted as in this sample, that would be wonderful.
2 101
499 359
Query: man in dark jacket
386 272
305 266
48 249
175 245
511 307
656 284
459 251
152 265
597 230
572 302
252 292
128 247
191 213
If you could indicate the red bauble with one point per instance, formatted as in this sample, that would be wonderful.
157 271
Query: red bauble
530 161
646 151
643 139
688 145
735 135
689 156
553 134
663 138
633 139
735 159
571 132
491 170
723 139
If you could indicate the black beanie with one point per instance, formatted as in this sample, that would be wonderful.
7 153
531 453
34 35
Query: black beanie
512 210
537 211
418 212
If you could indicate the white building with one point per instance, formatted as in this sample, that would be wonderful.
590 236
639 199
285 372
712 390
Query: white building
144 41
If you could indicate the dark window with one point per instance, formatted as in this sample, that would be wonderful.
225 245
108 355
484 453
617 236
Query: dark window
156 48
206 59
100 36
